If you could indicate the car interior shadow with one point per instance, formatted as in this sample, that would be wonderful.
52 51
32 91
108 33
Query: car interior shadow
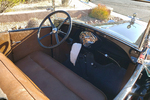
4 47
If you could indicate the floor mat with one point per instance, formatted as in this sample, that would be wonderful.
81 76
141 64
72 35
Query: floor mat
107 78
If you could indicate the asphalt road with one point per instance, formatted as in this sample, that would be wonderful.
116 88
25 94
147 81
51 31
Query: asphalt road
128 7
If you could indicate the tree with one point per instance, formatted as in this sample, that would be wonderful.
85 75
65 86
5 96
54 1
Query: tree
65 2
6 4
53 4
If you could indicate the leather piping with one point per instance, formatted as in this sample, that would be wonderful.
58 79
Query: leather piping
18 81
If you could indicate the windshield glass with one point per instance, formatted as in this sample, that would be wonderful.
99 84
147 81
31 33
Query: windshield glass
132 35
116 18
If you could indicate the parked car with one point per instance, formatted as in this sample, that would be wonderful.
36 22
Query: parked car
70 60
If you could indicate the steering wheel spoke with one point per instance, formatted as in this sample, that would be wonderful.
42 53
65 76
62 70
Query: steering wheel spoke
45 36
62 23
53 26
57 38
62 32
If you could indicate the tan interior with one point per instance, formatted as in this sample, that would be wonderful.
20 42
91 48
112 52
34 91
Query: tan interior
37 75
5 44
16 85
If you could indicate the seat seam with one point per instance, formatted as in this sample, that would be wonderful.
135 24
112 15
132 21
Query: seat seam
33 84
18 81
55 77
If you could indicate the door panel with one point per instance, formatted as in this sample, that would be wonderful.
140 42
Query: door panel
25 42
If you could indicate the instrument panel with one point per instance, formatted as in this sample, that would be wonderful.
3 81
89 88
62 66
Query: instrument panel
87 38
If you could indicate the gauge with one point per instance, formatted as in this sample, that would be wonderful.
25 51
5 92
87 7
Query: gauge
87 38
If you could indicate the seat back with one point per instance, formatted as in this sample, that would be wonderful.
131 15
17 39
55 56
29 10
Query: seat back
15 84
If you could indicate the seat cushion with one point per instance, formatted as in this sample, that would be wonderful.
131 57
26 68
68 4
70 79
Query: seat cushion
15 84
57 81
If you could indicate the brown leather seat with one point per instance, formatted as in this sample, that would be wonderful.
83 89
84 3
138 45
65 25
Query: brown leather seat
15 84
54 79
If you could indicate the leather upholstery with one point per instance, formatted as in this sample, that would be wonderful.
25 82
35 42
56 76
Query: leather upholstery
56 81
28 43
15 84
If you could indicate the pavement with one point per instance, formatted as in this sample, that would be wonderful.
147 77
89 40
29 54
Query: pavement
75 8
128 7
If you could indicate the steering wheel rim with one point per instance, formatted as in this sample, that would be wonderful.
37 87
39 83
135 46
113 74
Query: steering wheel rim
55 29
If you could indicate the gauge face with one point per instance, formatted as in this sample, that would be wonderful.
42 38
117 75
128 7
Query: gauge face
87 38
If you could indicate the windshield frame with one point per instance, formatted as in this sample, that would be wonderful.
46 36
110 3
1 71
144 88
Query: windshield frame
145 36
138 48
107 34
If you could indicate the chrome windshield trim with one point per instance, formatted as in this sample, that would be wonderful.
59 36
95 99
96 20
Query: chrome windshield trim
127 88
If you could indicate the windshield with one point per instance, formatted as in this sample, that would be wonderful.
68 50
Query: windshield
132 35
124 19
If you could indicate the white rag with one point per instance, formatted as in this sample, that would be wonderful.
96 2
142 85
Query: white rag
75 49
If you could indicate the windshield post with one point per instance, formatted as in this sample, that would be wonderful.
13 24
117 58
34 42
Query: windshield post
146 33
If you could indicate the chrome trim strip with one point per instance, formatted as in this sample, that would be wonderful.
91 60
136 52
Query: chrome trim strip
146 32
127 88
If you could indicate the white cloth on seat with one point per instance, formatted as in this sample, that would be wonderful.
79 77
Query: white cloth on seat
76 47
2 95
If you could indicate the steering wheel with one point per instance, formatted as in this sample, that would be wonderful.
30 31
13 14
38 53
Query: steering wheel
55 30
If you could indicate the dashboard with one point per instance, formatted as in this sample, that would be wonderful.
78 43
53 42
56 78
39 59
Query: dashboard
97 41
